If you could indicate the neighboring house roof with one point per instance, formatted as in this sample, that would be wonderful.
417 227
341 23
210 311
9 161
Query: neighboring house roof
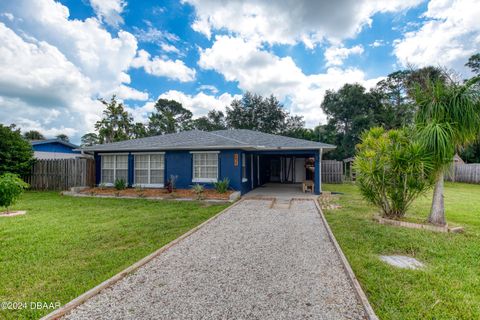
68 144
43 155
222 139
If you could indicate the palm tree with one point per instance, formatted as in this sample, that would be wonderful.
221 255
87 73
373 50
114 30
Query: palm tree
447 119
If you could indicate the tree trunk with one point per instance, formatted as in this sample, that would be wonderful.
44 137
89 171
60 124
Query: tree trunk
437 212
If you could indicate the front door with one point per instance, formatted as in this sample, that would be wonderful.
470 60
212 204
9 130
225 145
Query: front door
275 169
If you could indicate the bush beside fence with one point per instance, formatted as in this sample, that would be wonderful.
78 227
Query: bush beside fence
61 174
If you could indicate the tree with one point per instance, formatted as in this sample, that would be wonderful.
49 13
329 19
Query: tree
448 117
392 170
398 108
63 137
116 124
214 120
170 117
350 111
89 139
16 153
139 131
261 114
33 135
474 63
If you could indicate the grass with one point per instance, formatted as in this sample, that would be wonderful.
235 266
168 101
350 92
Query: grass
65 245
449 286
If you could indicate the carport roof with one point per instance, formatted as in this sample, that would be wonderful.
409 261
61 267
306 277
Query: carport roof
221 139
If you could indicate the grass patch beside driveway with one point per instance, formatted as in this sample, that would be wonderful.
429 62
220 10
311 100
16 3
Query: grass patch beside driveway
449 286
65 246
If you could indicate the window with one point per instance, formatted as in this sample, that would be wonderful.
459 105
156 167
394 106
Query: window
149 169
114 167
205 166
244 168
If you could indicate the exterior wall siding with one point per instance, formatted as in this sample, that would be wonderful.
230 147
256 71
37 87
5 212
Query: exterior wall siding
179 163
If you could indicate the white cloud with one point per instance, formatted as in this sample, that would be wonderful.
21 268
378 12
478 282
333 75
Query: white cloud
207 87
154 35
169 48
335 55
377 43
40 89
53 68
128 93
450 34
262 72
199 104
109 10
163 68
8 16
291 21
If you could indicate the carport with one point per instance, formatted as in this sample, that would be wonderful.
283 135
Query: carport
285 167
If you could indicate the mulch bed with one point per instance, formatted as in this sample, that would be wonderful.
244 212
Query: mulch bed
154 193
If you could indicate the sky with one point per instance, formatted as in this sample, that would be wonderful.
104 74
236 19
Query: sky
57 58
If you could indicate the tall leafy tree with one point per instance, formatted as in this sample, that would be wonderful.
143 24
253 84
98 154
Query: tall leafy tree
89 139
33 135
255 112
169 117
448 117
139 130
63 137
350 111
116 124
474 63
214 120
471 153
16 153
398 107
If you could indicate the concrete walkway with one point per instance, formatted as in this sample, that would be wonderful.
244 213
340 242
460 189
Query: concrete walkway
252 262
280 190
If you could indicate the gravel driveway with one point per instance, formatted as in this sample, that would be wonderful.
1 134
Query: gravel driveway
252 262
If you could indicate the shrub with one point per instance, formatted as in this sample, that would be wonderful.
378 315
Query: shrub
11 187
198 190
222 185
120 184
392 170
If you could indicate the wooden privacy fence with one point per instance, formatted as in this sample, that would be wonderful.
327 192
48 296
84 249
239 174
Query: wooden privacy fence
61 174
332 171
463 172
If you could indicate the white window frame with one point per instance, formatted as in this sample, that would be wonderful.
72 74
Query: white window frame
244 167
148 185
114 155
204 180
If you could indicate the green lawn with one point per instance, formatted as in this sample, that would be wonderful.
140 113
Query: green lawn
65 245
449 287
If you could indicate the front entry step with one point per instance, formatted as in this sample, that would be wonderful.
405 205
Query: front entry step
279 203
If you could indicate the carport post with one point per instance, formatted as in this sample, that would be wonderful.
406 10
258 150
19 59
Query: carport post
318 171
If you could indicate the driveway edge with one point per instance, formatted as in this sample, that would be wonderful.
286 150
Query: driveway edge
56 314
362 297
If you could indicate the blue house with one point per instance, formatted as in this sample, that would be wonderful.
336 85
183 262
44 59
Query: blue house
247 158
55 149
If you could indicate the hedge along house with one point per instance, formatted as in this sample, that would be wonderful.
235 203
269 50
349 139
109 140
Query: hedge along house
247 158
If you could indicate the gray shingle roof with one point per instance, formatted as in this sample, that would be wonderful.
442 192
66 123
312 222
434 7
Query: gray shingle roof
202 140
